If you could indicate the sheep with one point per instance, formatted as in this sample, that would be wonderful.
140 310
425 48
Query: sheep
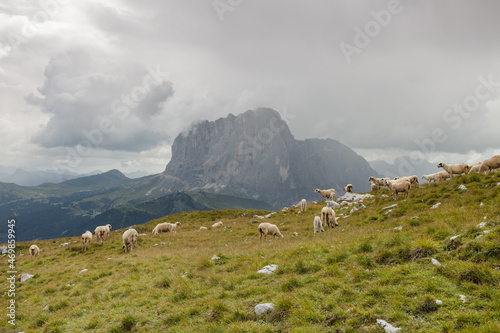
34 251
412 179
330 194
318 225
86 238
474 167
374 186
108 229
378 181
203 228
396 186
165 227
218 224
328 217
269 229
129 239
432 177
100 233
489 164
454 168
303 205
348 188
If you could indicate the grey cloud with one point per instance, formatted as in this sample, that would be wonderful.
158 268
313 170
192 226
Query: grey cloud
81 92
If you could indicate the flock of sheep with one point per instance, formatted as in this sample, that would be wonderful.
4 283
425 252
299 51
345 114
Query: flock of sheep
327 216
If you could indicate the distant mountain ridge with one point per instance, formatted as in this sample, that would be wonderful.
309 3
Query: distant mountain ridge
254 154
404 166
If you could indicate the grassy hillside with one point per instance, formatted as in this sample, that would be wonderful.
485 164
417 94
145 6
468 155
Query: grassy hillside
342 280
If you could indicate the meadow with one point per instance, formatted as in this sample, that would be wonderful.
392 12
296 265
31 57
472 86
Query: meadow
375 265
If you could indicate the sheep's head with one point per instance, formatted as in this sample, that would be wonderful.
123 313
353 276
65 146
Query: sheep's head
385 181
371 178
440 165
177 223
316 190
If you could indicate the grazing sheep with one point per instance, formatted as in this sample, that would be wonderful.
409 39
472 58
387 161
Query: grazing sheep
348 188
129 239
327 194
100 233
454 168
397 186
378 181
412 179
489 164
474 167
374 186
269 229
318 225
303 205
432 177
34 251
86 238
203 228
218 224
328 217
165 227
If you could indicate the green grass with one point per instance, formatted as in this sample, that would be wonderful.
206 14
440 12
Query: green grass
341 280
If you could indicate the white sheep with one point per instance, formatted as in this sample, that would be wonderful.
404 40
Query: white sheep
474 167
318 225
129 239
108 229
374 186
269 229
165 227
328 217
397 186
217 224
100 233
378 181
454 168
348 188
327 194
489 164
34 251
412 179
203 228
303 205
86 238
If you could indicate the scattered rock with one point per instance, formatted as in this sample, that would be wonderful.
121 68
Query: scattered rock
26 276
361 206
4 249
479 236
481 204
344 203
353 210
486 232
70 285
481 225
399 228
205 228
436 205
498 184
438 302
263 308
454 237
163 243
64 244
389 207
215 257
83 271
46 307
350 196
388 327
295 233
388 212
268 215
253 221
384 196
462 187
435 262
155 245
332 204
463 298
269 269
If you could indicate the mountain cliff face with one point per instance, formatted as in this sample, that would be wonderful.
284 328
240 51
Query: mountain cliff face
255 155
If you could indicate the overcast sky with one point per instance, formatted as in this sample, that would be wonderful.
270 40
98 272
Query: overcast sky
109 84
